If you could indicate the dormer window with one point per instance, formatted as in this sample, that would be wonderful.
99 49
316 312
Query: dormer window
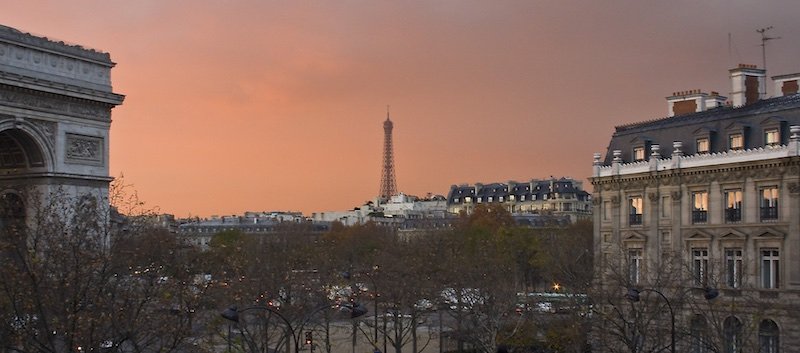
736 141
703 145
467 199
772 137
638 153
510 197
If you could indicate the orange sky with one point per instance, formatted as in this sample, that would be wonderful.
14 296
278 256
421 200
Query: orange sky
261 105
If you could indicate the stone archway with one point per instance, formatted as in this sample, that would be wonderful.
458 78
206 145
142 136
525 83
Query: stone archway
19 152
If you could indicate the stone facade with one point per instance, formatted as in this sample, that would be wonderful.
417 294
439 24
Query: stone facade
562 197
716 217
55 115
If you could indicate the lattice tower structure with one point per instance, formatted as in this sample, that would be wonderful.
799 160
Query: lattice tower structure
388 182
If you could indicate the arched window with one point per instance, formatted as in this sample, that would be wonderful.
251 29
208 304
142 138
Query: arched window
732 328
768 336
699 332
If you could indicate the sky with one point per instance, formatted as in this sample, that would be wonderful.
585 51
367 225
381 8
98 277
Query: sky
279 105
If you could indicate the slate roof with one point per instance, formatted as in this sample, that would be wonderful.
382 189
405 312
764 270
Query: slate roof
716 123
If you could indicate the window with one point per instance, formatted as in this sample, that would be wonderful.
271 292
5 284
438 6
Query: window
703 146
768 335
733 206
634 265
770 269
772 137
699 331
522 198
733 267
489 199
732 330
736 141
468 199
638 154
769 203
455 200
635 207
480 199
699 207
510 197
700 266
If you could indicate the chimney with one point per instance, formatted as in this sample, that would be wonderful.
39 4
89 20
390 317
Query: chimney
686 102
714 100
786 84
746 84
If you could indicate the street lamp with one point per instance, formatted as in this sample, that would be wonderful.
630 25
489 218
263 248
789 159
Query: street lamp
232 314
634 296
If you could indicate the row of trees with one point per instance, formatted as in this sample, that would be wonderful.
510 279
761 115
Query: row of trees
75 281
474 277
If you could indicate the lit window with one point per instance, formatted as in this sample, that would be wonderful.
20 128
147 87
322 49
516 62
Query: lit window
489 199
771 137
522 198
634 265
480 199
467 199
510 197
702 145
638 153
455 200
699 207
770 269
733 206
736 141
733 267
700 266
635 210
769 203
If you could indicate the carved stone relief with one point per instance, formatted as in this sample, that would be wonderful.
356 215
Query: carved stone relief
615 200
653 196
48 128
76 108
84 149
794 188
676 195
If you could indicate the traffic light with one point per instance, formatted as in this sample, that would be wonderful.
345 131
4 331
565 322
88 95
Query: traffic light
309 340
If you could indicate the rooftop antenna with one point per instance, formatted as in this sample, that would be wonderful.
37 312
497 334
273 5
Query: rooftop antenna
764 39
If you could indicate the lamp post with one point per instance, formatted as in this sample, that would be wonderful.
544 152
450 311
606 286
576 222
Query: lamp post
634 296
232 314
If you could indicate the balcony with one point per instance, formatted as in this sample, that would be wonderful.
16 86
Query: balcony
733 215
699 216
635 219
769 213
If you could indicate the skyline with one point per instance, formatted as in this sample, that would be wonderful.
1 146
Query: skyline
254 106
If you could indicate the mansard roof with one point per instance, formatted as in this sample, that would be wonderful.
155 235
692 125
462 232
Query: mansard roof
715 123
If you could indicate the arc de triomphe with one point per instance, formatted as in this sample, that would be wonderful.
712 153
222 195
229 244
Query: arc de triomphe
55 115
